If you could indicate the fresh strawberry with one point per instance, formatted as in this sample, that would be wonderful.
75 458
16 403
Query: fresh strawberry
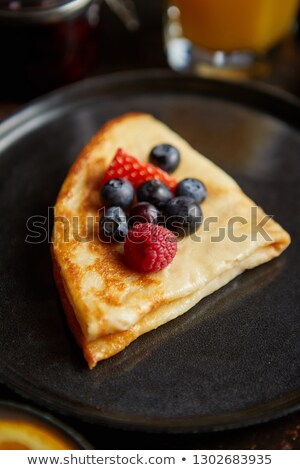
149 248
130 168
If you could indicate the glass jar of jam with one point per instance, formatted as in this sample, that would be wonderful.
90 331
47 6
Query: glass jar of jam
45 44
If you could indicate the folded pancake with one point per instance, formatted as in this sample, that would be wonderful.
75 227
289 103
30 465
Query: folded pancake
107 304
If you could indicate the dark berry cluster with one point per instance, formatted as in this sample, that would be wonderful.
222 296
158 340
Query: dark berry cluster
156 202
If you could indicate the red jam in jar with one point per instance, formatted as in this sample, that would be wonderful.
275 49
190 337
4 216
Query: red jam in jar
45 44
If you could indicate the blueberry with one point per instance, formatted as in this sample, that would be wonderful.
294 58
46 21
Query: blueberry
191 187
113 224
182 215
117 192
143 213
155 192
165 156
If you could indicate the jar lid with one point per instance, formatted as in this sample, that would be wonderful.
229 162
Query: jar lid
39 11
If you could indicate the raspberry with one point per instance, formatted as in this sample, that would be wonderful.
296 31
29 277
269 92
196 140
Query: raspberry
131 169
149 248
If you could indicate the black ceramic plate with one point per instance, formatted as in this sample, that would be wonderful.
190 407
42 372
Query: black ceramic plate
231 360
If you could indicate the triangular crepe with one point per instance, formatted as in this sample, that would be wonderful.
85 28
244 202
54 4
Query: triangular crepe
108 305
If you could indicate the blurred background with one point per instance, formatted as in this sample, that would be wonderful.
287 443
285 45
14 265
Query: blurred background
45 44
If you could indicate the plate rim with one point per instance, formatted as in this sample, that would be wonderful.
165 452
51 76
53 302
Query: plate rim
276 408
32 108
284 102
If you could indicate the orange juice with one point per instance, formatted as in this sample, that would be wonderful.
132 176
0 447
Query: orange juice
231 25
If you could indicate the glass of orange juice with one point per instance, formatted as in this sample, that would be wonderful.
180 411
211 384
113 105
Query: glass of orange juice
225 34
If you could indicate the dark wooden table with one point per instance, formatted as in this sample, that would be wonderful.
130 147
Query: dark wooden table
121 50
